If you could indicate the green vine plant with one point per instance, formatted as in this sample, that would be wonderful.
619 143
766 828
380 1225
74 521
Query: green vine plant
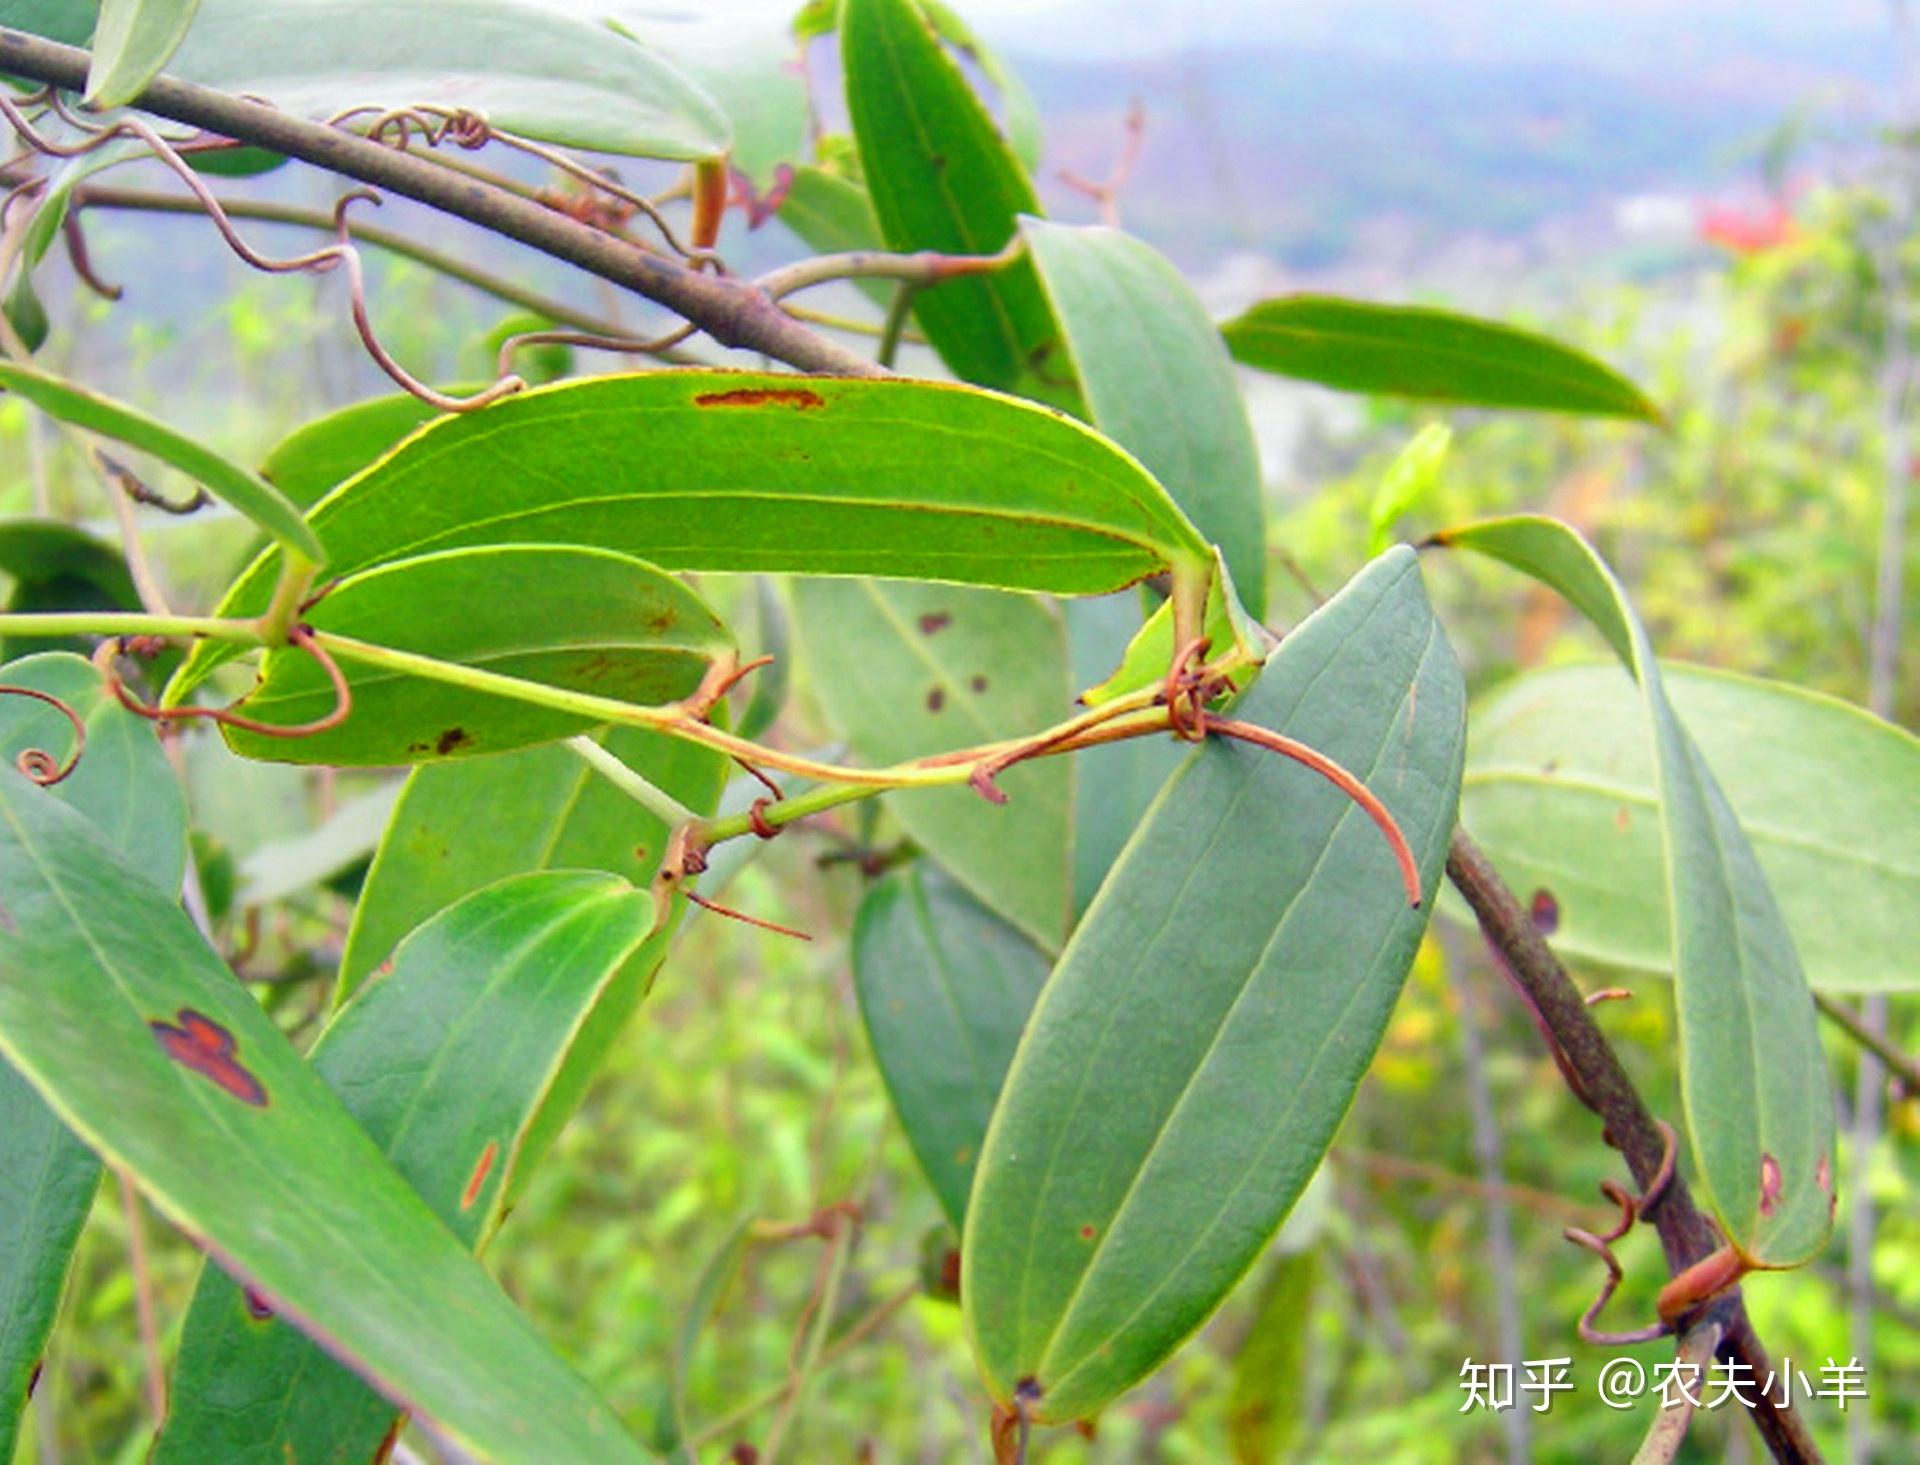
461 581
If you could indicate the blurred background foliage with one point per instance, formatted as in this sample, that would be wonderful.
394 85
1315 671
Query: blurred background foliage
1748 533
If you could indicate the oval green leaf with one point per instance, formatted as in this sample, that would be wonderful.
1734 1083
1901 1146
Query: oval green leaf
742 471
462 825
1754 1082
151 1052
320 455
259 500
945 987
580 619
1208 1025
126 787
444 1062
1158 381
528 67
941 177
1434 355
1561 794
131 43
904 670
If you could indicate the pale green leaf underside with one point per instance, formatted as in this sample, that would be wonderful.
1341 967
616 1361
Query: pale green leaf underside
1207 1026
1560 792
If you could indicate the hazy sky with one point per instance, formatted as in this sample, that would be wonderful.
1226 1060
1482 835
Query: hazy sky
1517 28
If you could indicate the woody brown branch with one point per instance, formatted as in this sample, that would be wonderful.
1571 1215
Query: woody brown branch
736 313
1599 1081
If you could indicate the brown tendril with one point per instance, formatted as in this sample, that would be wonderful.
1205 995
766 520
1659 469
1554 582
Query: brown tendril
1632 1209
37 763
472 131
318 261
300 636
626 345
1352 787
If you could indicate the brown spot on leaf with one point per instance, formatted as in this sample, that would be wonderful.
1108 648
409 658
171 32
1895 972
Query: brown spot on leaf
1086 1233
934 621
798 398
200 1043
1769 1184
1545 912
453 737
950 1271
936 699
978 683
258 1308
1622 818
479 1176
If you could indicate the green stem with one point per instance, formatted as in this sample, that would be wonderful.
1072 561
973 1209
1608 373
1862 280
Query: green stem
118 623
898 310
655 800
289 591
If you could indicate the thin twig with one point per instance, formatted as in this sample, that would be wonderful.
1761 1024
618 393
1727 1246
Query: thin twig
156 1365
1901 1064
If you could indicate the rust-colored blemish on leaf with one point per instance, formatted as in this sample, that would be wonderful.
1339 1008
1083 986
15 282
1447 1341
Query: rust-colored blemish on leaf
200 1043
1086 1233
799 398
1823 1174
258 1308
950 1271
1622 818
479 1176
978 683
1545 912
934 621
453 737
1769 1184
936 699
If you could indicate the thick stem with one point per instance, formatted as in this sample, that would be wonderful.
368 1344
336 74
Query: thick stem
735 313
1599 1081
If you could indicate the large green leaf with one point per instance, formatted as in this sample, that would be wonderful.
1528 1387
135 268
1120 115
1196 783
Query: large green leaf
717 470
132 42
1158 381
527 67
461 826
945 988
1207 1026
444 1062
905 670
150 1051
47 1177
587 620
1437 355
1754 1082
941 177
324 453
1561 792
253 496
56 567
